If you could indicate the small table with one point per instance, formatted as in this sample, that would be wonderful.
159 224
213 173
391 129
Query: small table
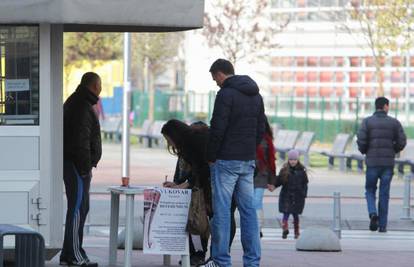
130 193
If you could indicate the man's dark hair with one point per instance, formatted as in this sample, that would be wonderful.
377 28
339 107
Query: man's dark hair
89 78
380 102
222 65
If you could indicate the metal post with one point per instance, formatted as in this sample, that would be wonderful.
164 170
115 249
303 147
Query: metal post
129 229
337 214
407 89
167 260
113 228
185 261
407 197
125 109
307 114
322 129
291 112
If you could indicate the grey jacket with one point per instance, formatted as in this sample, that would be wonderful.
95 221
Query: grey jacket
380 137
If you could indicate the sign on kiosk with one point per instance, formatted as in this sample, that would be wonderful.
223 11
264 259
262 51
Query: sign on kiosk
17 85
165 220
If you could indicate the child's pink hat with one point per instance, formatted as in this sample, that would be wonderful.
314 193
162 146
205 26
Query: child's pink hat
293 154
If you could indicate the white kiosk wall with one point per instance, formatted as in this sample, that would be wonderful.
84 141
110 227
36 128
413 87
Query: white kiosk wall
31 188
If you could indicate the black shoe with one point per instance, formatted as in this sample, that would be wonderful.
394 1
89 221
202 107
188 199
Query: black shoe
373 224
197 258
285 234
261 234
82 264
209 263
382 229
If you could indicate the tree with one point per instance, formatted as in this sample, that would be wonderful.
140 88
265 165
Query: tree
387 27
242 29
90 46
152 54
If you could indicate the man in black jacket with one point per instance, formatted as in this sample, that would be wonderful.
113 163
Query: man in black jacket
237 127
82 151
380 137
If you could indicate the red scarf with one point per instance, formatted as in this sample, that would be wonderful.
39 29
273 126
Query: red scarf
271 155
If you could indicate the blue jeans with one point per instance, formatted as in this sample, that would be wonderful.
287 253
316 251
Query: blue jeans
228 176
384 174
258 198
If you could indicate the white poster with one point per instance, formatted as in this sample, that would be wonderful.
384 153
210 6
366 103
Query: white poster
17 85
165 220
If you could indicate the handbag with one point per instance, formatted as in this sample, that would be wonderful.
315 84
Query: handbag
197 223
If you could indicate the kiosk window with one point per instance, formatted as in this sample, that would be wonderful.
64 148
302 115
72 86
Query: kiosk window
19 75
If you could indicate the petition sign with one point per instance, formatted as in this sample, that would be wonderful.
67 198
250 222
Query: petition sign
165 220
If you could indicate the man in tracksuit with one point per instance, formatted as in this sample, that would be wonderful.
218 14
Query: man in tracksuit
237 127
82 151
380 137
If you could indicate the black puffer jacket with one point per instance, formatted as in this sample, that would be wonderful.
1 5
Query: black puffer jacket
81 131
294 190
237 125
380 137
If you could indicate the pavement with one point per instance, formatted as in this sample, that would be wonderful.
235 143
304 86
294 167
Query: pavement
360 247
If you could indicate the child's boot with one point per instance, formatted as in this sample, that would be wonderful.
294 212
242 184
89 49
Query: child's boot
296 227
285 228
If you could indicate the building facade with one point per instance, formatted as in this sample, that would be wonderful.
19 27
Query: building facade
319 57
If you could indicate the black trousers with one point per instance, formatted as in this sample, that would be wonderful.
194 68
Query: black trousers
77 194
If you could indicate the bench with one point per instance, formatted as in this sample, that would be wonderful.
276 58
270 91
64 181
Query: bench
285 140
354 154
29 250
337 151
111 128
144 132
156 136
303 145
406 158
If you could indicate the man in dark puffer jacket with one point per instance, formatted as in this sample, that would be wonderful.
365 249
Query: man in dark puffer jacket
82 151
380 137
237 127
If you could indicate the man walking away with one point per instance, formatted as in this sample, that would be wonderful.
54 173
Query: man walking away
380 137
237 127
82 151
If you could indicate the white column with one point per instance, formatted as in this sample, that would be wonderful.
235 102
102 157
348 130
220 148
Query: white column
51 131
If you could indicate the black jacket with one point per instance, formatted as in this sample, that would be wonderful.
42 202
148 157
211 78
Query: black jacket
237 125
380 137
294 191
81 131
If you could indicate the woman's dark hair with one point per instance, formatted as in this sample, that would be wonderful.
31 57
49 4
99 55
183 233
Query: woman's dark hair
284 172
179 133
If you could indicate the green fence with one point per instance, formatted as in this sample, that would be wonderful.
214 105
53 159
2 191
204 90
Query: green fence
324 116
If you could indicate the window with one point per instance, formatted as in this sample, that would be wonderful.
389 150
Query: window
19 75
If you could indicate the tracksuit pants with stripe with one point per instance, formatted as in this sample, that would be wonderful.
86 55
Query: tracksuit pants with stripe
77 194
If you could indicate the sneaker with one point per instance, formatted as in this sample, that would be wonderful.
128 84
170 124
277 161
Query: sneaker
209 263
81 264
373 224
261 234
382 229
